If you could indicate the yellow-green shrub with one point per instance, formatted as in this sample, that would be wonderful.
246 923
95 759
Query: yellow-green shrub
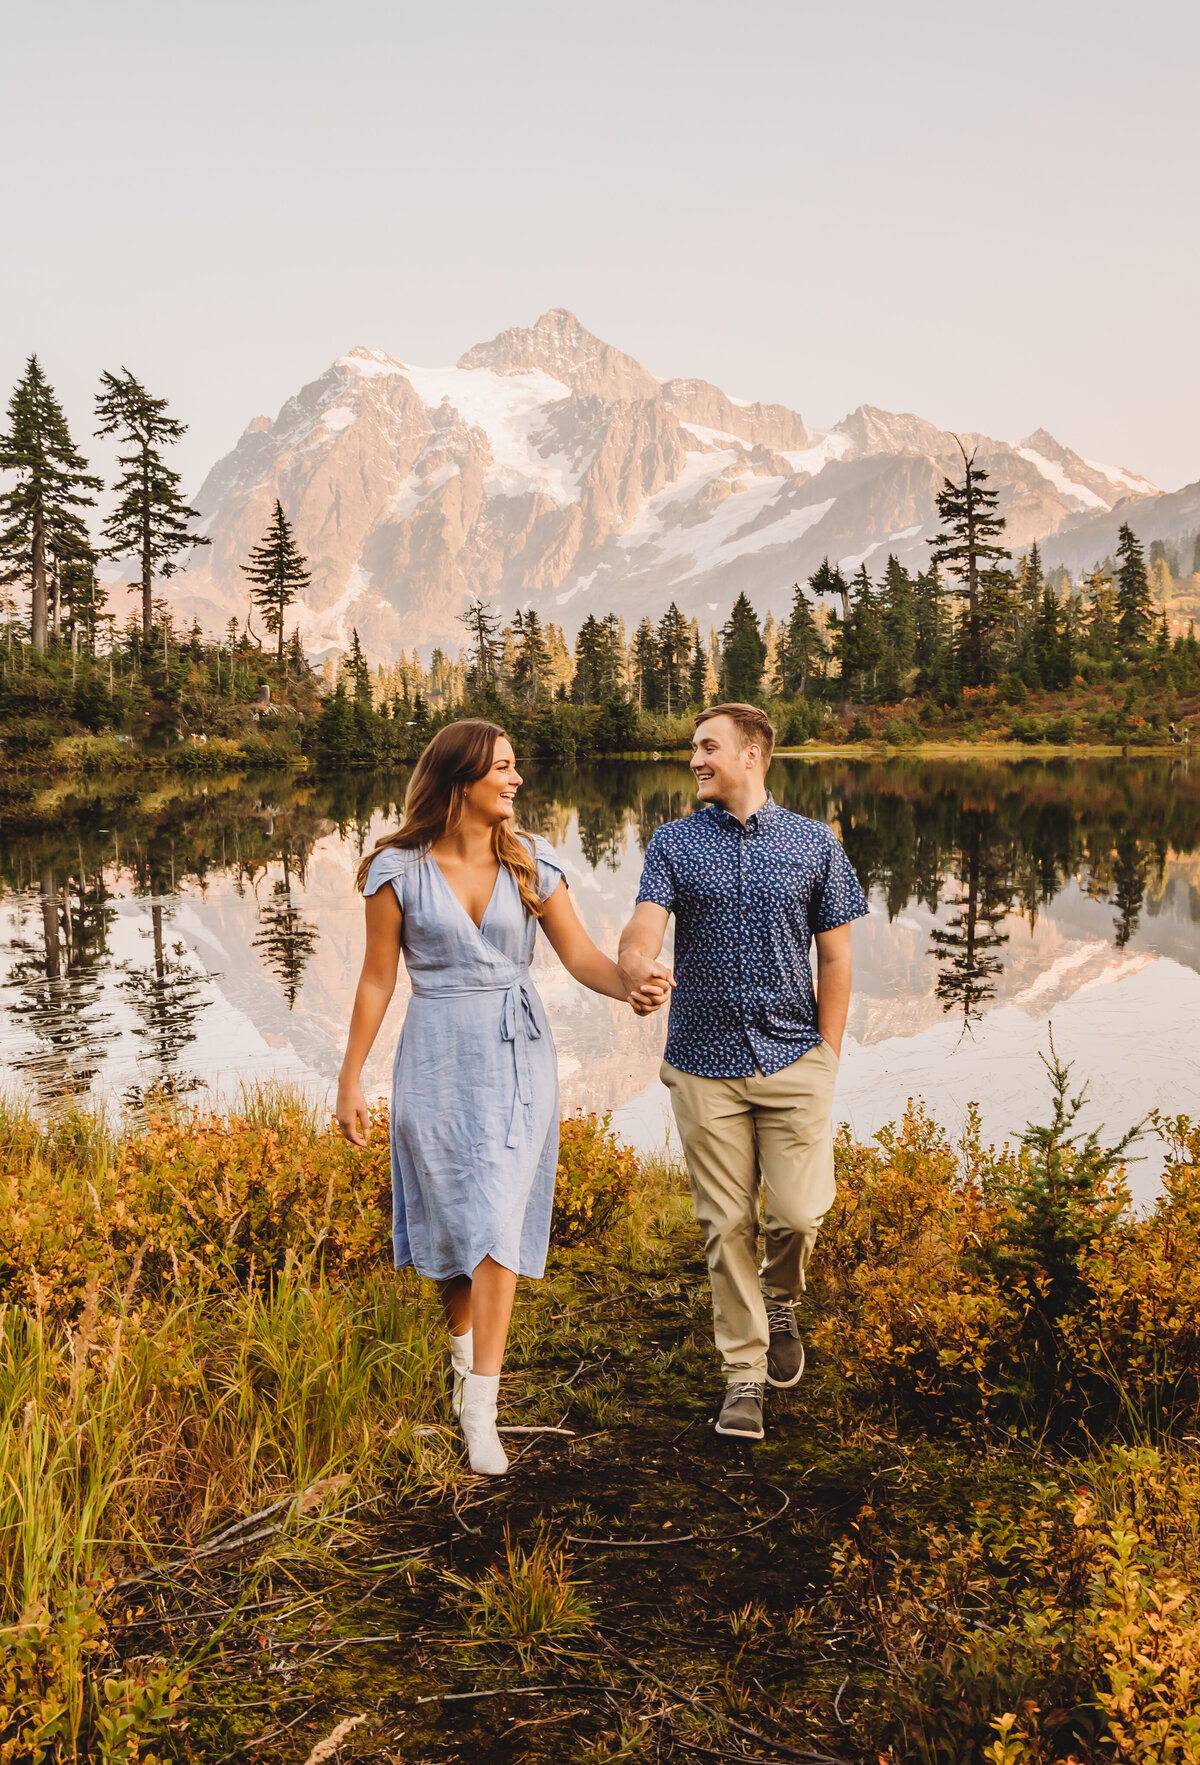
596 1176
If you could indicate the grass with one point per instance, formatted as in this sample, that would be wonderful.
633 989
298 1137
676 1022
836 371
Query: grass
233 1517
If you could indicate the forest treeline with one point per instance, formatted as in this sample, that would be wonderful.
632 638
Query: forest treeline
978 644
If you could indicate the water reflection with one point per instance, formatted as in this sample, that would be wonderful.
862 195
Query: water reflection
166 937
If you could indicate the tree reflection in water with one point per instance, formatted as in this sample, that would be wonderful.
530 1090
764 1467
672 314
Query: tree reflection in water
975 842
285 937
56 982
167 998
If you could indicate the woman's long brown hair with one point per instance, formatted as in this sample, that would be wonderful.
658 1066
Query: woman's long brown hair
458 756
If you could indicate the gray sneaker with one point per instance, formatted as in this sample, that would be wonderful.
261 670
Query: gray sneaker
785 1351
741 1413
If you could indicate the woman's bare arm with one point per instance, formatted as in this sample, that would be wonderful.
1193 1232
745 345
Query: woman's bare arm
376 984
584 962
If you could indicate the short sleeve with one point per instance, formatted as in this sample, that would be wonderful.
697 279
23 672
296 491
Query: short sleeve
550 871
837 897
391 864
658 876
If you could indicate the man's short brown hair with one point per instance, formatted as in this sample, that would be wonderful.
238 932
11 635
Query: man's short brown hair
753 725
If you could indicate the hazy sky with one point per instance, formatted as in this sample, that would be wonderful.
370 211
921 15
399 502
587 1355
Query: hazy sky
985 214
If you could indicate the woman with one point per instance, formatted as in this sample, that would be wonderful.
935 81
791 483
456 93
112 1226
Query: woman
475 1087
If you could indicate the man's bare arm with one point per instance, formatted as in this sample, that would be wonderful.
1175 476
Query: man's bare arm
833 985
639 948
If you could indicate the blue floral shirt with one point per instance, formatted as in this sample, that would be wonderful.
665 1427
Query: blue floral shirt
747 902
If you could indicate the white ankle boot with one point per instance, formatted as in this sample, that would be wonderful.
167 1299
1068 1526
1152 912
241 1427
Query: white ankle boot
460 1360
476 1411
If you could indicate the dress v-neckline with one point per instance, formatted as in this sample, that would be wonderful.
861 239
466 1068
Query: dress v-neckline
478 924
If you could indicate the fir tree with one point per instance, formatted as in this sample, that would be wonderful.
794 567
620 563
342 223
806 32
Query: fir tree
862 636
647 668
1031 581
932 623
1135 610
151 519
531 666
898 614
743 654
799 646
52 484
673 638
966 545
1100 613
278 573
486 652
698 675
827 579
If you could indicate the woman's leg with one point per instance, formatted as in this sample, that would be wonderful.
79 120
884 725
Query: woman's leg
455 1295
492 1291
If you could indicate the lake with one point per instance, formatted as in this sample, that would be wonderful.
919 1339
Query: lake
196 937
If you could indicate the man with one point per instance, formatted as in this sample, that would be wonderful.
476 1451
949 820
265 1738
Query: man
752 1051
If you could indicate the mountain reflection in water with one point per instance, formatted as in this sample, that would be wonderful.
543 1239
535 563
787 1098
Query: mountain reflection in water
196 936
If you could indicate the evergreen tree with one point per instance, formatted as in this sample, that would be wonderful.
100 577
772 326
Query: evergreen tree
589 651
743 654
1100 613
1134 608
647 668
827 579
84 599
932 623
531 665
278 573
966 545
1031 582
698 675
673 638
52 484
862 636
898 614
151 519
799 646
486 651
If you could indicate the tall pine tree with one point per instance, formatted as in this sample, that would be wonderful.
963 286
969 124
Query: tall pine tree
278 572
967 546
647 667
827 579
1134 605
531 665
40 509
799 646
743 654
486 653
673 643
151 519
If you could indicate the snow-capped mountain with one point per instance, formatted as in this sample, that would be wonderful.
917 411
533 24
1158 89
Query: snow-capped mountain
546 467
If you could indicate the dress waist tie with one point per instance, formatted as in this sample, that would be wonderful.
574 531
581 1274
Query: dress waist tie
518 1025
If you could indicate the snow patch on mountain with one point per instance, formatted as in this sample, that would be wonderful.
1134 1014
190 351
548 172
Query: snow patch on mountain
1054 474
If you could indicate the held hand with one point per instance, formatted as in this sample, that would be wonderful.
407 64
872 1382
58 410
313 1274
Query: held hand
652 989
353 1116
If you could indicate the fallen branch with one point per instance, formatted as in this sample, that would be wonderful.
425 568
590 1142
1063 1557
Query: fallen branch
568 1433
504 1691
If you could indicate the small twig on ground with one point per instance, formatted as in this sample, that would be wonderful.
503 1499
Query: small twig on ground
568 1433
503 1691
577 1311
543 1721
844 1720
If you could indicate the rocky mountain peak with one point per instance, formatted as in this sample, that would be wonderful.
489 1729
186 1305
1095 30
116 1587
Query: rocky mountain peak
548 468
560 346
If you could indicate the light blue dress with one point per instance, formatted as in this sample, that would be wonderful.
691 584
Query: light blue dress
475 1084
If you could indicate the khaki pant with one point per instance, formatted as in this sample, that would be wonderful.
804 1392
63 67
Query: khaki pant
769 1135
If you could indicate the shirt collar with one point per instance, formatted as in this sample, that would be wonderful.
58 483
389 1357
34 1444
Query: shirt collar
769 808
